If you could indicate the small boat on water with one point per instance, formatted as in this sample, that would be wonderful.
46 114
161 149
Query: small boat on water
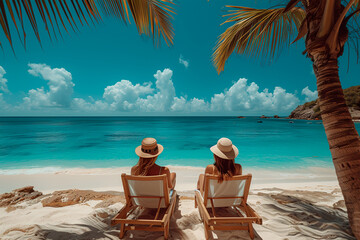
291 121
259 121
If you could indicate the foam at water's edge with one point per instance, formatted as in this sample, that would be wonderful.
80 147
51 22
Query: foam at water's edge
28 171
83 171
260 173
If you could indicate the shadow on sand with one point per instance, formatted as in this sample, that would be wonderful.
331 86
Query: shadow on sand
283 217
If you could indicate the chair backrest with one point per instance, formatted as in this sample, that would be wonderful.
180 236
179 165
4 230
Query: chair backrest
230 192
146 191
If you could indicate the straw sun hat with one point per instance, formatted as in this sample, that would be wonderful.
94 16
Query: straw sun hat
225 149
149 148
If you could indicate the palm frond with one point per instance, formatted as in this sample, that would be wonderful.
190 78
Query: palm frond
356 5
152 17
256 32
291 5
355 10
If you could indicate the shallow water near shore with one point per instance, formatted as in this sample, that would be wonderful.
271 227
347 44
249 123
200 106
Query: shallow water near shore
102 142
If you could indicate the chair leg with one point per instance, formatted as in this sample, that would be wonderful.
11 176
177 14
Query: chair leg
251 231
166 231
122 230
206 229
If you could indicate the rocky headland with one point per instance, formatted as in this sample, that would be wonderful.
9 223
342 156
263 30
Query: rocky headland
311 110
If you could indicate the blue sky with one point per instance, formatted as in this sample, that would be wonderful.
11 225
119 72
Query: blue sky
108 69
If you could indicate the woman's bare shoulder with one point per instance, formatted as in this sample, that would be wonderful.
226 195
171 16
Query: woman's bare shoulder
165 169
209 169
132 170
238 168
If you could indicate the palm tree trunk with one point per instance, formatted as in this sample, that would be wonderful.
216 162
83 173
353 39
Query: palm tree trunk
341 134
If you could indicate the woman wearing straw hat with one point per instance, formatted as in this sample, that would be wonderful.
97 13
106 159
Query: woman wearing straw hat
148 152
224 166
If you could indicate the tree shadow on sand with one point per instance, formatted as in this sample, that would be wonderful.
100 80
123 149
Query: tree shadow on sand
183 225
301 218
92 228
188 225
283 217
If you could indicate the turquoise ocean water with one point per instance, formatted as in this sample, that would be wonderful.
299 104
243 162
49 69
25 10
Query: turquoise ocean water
93 142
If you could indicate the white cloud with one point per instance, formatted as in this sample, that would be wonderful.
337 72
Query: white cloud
60 88
162 100
3 88
3 105
244 97
184 62
3 81
90 106
217 102
123 95
198 105
241 97
179 104
194 105
309 95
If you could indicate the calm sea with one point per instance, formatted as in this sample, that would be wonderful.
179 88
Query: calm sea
93 142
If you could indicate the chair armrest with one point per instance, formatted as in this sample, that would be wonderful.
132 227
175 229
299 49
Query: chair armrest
252 213
201 206
122 214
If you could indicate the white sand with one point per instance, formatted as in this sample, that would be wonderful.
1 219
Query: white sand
105 179
293 206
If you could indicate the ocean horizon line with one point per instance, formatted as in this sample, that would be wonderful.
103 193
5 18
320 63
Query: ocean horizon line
165 116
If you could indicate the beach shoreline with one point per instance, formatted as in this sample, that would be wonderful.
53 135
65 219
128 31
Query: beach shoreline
50 179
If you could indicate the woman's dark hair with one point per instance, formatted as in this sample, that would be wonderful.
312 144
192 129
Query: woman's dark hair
225 167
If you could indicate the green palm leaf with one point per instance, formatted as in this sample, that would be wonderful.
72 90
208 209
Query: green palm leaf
152 17
256 32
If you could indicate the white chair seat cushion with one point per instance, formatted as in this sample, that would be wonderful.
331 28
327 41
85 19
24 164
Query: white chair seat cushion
227 190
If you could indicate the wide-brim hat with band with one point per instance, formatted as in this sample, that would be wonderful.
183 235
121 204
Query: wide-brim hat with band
149 148
225 149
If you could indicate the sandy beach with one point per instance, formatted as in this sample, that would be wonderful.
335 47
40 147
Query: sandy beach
307 204
48 180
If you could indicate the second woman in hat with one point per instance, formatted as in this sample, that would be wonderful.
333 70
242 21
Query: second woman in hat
224 166
148 152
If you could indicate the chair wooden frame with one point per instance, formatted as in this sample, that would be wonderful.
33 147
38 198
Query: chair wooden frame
246 215
161 225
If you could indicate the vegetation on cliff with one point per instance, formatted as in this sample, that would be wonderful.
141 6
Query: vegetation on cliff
311 110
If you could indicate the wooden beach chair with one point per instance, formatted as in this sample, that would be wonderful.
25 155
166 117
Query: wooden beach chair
231 194
146 192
